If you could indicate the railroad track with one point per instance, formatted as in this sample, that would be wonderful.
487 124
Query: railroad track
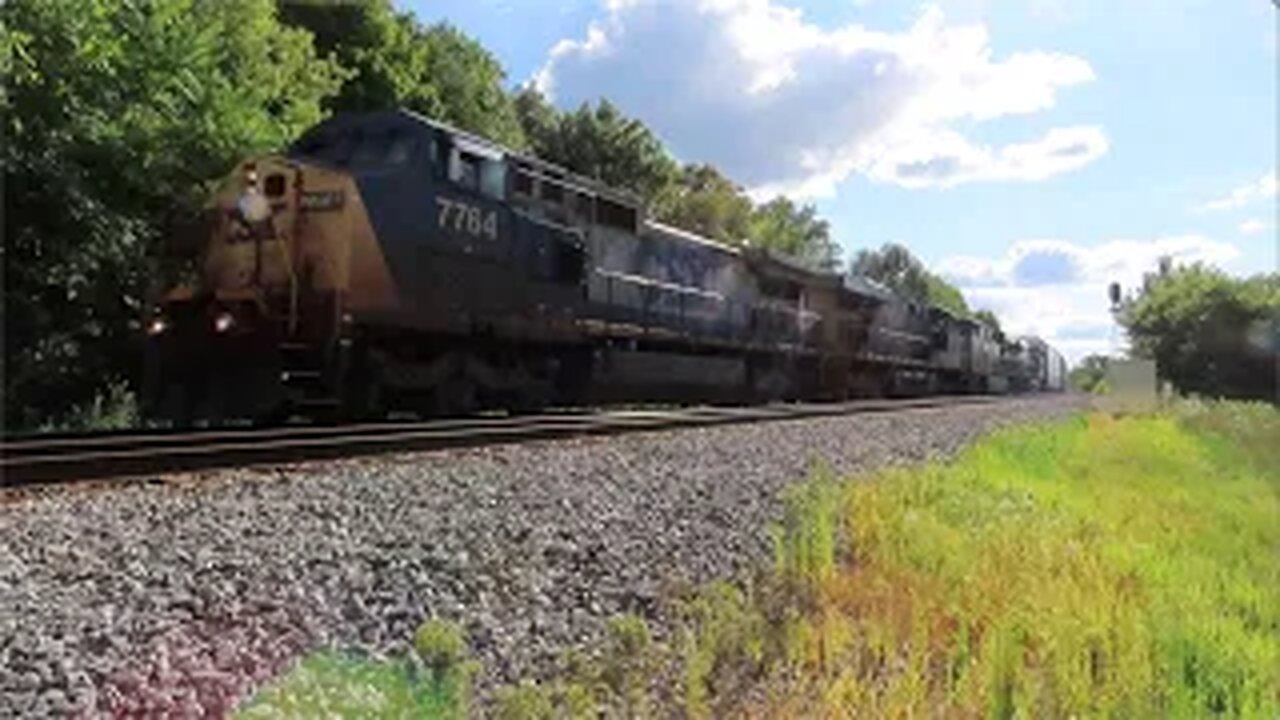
68 458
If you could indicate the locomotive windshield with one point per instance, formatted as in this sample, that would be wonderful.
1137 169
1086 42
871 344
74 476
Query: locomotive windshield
359 149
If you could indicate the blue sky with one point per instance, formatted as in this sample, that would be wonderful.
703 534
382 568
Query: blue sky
1031 151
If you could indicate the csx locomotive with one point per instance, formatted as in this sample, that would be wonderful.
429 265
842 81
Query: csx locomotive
387 262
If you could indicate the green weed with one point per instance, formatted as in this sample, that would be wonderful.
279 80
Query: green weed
435 683
525 701
113 408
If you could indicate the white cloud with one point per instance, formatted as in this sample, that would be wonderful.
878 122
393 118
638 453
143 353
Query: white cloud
1058 289
784 105
1252 226
947 158
1265 187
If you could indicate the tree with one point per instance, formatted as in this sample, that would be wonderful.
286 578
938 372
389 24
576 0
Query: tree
989 319
472 88
116 116
781 226
946 296
599 142
708 203
1208 332
895 267
540 121
436 71
1091 371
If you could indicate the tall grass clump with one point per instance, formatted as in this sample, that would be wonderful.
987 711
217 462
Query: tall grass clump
1096 567
432 682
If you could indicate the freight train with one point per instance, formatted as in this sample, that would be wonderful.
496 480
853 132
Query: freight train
388 262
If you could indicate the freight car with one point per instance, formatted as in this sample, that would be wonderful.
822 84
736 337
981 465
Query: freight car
386 261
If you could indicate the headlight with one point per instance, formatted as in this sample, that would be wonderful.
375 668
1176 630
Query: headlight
253 207
157 326
223 322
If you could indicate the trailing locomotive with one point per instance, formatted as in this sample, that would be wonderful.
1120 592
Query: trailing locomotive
386 261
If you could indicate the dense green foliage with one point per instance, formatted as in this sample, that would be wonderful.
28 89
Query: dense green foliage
1089 373
116 117
895 267
781 226
708 203
1209 333
396 62
598 142
988 318
1097 567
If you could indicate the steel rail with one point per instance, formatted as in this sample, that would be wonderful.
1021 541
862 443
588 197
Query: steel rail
34 460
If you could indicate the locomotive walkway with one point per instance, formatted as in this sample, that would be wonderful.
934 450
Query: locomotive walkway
69 458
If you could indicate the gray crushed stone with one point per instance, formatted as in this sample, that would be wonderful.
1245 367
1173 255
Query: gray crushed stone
183 597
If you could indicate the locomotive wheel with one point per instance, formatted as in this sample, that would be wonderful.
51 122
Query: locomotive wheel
365 397
177 408
456 396
531 398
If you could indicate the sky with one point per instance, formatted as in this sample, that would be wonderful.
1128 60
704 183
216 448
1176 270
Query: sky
1031 152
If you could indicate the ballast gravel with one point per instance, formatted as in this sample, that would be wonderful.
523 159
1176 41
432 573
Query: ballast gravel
181 597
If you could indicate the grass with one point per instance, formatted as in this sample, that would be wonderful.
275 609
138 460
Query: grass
1098 567
434 682
1117 567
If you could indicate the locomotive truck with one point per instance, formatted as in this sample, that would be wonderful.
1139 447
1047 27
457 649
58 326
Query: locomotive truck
386 261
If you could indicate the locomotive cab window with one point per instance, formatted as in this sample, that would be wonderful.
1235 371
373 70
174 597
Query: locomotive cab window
552 192
275 185
615 215
333 149
464 169
522 184
493 178
477 167
433 153
361 149
477 173
369 149
400 149
584 205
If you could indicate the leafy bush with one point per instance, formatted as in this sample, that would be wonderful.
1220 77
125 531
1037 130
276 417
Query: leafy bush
1210 334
